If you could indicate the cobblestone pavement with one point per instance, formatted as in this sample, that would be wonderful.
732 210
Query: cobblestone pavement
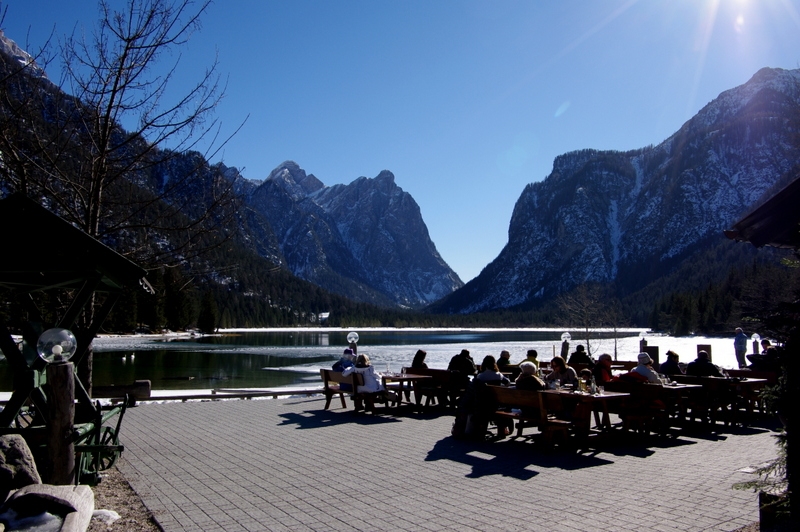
288 464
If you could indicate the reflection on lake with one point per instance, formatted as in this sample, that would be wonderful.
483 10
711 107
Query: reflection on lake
267 359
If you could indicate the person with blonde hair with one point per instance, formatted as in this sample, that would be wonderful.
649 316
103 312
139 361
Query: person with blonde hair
372 381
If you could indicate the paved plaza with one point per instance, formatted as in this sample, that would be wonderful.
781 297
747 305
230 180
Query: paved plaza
287 464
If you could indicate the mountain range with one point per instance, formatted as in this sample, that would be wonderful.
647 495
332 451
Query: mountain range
628 218
366 240
620 219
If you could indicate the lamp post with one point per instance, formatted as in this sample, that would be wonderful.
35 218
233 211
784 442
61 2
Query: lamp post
352 339
55 348
756 338
565 338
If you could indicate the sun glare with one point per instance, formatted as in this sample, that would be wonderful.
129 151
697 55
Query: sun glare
739 25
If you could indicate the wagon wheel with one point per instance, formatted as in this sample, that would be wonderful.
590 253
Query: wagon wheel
103 459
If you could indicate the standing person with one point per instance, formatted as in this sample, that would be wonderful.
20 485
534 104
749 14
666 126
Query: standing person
740 346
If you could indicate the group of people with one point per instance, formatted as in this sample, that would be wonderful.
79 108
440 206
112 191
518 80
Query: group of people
493 370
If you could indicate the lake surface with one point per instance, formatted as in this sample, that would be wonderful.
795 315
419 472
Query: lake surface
280 358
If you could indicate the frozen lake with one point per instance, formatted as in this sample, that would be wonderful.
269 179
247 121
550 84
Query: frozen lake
292 357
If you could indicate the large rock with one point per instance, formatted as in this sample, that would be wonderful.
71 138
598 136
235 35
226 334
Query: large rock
75 504
17 467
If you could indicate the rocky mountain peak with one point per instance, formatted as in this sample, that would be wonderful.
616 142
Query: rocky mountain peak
294 180
627 218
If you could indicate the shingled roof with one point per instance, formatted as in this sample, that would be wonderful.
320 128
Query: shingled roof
776 223
40 250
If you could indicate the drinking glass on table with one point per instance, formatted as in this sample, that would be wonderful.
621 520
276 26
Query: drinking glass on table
601 390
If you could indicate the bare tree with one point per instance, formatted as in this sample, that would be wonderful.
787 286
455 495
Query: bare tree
76 155
109 150
583 308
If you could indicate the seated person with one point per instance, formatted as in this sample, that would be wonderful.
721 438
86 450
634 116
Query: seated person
580 357
463 364
340 365
765 344
372 381
527 379
602 370
702 367
490 374
504 361
645 368
671 366
586 378
419 360
345 361
561 373
533 358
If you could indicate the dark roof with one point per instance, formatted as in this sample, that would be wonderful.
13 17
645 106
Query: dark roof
40 250
776 223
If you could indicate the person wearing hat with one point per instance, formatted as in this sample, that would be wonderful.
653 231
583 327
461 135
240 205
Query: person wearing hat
645 368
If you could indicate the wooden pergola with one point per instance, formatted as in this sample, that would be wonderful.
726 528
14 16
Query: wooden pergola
776 223
42 252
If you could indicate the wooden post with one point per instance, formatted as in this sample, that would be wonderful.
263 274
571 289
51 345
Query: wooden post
643 345
61 400
653 352
706 348
565 350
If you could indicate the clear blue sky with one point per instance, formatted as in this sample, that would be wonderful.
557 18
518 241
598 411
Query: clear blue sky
465 102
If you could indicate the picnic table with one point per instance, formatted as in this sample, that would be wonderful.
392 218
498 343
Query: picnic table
405 382
581 406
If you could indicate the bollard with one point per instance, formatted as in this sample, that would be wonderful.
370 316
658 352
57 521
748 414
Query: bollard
61 402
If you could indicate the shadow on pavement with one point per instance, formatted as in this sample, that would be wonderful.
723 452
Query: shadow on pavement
511 458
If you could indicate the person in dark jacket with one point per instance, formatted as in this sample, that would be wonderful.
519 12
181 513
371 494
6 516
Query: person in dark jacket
580 357
462 368
702 367
671 366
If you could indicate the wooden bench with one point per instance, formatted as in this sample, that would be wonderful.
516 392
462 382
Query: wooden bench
437 388
529 411
332 385
647 409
